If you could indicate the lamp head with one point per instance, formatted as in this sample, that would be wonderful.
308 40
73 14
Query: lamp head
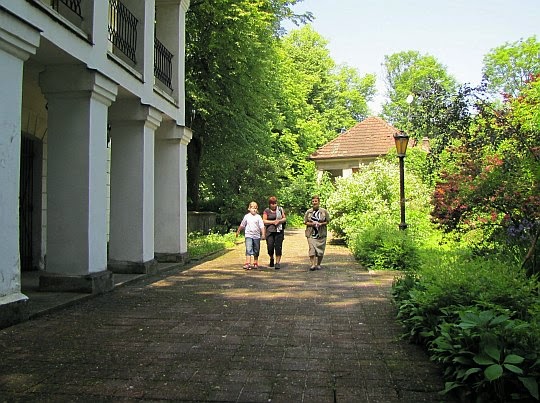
402 140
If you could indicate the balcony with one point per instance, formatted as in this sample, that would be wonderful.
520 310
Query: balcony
123 30
69 13
124 33
162 63
68 7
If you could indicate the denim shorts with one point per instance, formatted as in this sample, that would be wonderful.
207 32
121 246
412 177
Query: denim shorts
253 247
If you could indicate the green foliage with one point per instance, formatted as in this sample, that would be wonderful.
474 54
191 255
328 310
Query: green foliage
382 247
416 161
489 351
365 212
508 68
423 76
231 90
478 318
259 102
200 246
490 184
295 220
295 195
371 196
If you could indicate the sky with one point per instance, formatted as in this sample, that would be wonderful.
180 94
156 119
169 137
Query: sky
458 33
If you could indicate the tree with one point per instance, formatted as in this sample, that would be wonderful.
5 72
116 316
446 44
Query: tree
410 73
259 103
508 68
230 87
318 98
491 184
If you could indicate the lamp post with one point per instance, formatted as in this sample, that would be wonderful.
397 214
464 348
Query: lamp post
402 140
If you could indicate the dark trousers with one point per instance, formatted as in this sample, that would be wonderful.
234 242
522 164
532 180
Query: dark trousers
274 242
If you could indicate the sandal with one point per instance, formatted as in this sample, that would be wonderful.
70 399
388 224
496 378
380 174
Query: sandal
247 267
255 265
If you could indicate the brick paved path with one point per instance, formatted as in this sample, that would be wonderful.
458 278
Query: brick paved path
213 332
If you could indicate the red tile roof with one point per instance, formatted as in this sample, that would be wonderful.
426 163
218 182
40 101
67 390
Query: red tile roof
371 137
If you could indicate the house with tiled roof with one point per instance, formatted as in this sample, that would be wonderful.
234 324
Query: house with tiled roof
361 144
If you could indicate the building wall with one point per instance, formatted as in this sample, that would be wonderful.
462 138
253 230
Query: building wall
71 87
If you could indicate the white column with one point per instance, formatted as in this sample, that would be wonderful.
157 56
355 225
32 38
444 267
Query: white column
171 192
131 242
78 100
170 29
17 42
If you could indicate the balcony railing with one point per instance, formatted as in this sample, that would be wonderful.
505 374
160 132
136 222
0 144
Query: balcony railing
162 63
73 5
123 29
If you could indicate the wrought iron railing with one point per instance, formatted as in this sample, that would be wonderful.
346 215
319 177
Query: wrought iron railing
73 5
123 29
162 63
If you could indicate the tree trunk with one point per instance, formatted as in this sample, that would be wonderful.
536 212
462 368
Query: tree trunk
194 153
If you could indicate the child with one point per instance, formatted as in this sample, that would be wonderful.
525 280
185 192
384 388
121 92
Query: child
254 232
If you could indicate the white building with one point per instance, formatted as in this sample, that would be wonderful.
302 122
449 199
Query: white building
92 142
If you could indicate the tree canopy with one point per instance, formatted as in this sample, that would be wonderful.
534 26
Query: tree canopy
259 101
508 68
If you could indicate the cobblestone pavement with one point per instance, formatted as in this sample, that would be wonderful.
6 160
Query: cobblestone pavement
213 332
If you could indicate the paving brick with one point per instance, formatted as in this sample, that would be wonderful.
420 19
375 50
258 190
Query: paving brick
211 332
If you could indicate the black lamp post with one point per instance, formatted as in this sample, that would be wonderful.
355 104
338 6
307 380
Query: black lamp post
402 140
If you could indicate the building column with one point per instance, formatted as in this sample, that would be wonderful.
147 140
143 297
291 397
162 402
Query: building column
170 29
78 101
131 241
17 42
171 192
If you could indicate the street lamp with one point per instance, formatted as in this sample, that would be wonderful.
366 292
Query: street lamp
402 140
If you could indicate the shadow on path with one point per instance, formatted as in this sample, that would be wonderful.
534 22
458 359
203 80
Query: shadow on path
214 332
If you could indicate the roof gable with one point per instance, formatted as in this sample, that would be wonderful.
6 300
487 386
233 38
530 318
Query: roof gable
371 137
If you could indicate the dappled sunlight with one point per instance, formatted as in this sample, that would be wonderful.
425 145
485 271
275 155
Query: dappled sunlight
268 295
344 303
341 285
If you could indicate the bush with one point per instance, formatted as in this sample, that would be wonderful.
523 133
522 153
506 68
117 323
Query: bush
488 355
371 196
479 318
381 247
294 220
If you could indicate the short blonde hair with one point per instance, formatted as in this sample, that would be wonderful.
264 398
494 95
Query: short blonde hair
254 204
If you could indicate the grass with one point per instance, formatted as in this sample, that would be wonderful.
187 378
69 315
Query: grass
200 245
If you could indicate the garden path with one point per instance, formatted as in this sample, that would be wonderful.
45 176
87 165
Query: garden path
213 332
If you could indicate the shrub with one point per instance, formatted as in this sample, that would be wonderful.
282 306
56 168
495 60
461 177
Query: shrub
382 246
371 196
479 318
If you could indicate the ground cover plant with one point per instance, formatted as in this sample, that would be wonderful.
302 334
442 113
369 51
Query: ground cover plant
477 311
202 245
478 315
479 318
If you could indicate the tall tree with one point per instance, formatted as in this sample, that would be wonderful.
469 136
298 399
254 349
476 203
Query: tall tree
508 68
491 181
410 73
230 85
317 99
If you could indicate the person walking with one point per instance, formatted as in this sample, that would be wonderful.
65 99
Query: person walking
254 228
316 220
274 219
